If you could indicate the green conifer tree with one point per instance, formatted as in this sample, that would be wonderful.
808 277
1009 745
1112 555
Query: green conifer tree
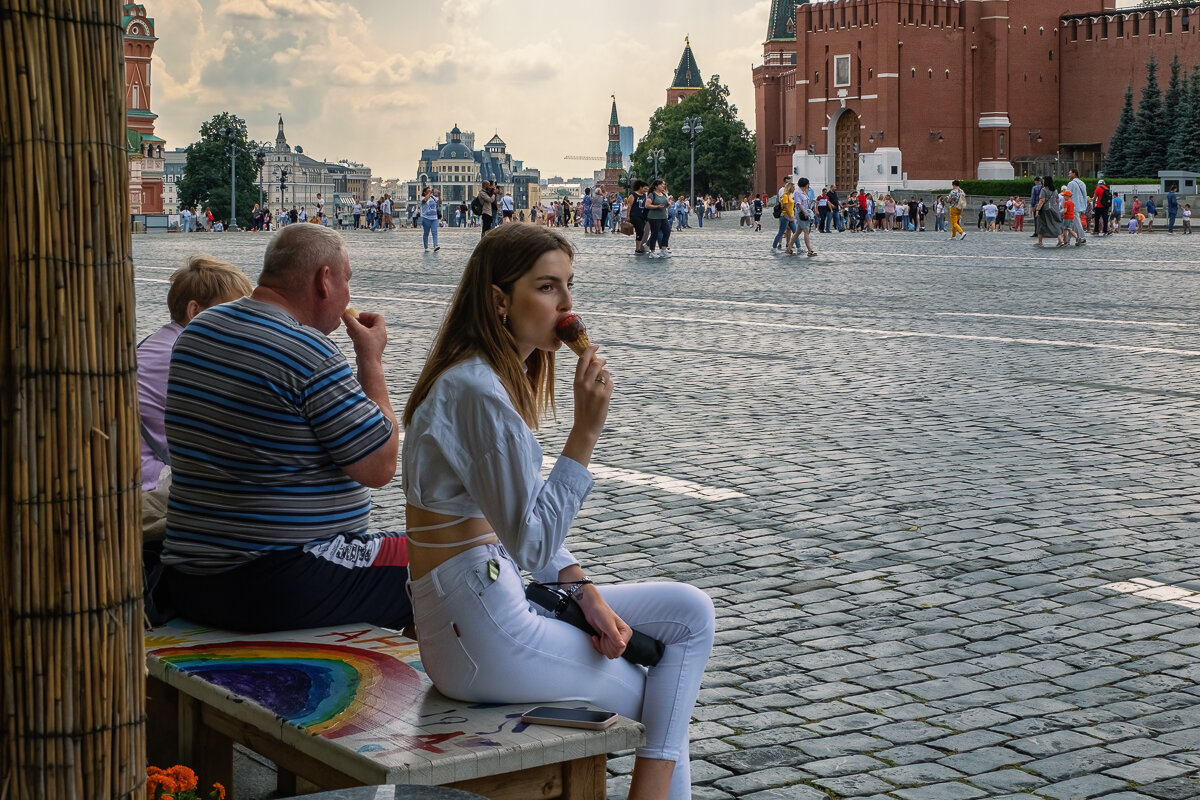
1116 163
1181 152
1189 129
1148 151
1173 101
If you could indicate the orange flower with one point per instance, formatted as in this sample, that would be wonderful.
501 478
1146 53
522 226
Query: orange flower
185 779
220 790
159 784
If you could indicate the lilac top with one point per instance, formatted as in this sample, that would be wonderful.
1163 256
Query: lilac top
153 363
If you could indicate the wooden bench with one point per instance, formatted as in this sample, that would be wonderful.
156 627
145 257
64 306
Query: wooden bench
341 707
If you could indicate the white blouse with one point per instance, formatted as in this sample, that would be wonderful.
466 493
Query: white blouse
468 453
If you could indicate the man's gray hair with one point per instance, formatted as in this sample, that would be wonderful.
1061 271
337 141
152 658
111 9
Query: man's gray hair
297 251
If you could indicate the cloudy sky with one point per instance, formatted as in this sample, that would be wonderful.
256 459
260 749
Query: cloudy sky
377 80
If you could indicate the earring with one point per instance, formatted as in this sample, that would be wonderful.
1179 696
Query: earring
505 320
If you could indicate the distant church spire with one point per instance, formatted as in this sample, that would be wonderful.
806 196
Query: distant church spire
281 145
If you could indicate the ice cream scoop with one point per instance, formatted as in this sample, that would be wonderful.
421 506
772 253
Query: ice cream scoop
572 333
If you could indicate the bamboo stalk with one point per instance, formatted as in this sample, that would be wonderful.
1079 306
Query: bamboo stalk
72 694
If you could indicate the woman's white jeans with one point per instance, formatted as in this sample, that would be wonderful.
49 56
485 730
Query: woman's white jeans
482 641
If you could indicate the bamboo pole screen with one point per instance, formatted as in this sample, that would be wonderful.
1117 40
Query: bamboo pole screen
72 691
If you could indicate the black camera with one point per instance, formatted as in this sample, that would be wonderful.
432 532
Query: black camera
642 650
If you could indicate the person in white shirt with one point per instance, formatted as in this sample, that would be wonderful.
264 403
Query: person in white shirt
745 219
479 511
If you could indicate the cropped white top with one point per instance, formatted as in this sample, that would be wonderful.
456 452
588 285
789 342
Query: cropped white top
468 453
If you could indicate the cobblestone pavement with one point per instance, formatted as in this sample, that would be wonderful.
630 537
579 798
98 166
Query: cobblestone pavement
944 495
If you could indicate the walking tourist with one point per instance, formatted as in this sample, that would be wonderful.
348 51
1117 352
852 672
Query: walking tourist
637 215
484 205
1079 196
1049 217
430 202
1102 207
957 203
785 204
657 202
1071 224
802 207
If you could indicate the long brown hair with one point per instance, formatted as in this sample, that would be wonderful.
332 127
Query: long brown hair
473 328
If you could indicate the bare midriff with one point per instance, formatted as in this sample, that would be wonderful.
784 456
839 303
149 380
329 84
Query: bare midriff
422 559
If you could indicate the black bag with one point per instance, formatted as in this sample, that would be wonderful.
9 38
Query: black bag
641 650
776 211
476 206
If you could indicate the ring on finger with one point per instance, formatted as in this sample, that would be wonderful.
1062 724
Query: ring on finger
602 379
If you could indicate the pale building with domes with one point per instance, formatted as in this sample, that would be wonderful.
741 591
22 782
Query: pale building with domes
456 170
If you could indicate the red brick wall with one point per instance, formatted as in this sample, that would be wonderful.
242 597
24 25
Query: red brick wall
1048 81
1096 71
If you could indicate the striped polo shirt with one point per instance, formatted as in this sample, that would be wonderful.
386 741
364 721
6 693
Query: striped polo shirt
262 413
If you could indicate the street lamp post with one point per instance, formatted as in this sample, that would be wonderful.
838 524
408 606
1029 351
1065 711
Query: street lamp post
261 153
691 127
627 178
656 157
230 135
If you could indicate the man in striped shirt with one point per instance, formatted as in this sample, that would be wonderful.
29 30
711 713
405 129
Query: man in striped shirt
275 445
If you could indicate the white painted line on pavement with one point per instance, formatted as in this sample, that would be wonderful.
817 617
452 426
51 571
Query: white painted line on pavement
797 307
419 300
1049 258
660 482
1064 319
904 334
1158 592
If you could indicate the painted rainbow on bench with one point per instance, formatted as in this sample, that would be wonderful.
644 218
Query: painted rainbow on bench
324 689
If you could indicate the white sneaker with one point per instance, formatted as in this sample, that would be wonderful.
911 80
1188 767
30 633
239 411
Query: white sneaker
653 254
666 254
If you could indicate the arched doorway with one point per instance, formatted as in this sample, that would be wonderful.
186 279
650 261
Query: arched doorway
845 151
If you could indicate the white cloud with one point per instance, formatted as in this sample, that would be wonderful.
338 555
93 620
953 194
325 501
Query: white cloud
279 9
377 80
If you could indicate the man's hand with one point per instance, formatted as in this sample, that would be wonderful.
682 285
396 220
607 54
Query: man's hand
368 333
613 632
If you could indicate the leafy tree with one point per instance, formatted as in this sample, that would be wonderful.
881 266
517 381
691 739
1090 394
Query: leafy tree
724 150
1149 152
1172 103
1120 148
206 174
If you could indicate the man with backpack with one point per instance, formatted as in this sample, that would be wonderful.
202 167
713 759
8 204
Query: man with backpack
1102 204
757 209
483 205
958 204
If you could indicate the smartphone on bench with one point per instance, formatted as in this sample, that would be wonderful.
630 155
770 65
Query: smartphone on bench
570 717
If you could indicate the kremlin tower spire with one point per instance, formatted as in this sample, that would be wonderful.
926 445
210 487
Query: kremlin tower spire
612 159
687 80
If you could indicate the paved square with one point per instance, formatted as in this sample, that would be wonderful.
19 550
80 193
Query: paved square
944 494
